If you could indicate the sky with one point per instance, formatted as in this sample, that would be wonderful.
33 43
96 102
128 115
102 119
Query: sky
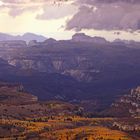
61 19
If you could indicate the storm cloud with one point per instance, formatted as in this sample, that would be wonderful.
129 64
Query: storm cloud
86 14
106 15
108 1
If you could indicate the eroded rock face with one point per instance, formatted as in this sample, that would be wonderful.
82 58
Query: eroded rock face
129 104
79 68
129 125
84 61
28 64
72 69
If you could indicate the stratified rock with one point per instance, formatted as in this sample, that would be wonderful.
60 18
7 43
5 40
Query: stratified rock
13 43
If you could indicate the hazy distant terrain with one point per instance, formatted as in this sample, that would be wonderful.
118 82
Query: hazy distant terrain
25 37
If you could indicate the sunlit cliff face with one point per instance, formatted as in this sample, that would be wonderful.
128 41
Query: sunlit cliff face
62 18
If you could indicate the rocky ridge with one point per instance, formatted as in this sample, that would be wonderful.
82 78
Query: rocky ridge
129 104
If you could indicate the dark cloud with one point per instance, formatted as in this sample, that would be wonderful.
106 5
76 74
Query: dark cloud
106 15
112 1
108 1
92 14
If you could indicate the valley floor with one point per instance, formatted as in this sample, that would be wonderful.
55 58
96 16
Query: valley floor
61 128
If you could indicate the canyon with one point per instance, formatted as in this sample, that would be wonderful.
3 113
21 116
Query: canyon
76 86
72 70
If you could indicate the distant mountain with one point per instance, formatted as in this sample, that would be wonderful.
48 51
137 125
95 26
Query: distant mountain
30 36
4 37
127 43
81 37
50 41
25 37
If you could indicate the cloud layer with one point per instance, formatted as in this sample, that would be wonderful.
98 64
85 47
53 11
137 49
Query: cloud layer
106 15
29 1
56 12
92 14
108 1
51 9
